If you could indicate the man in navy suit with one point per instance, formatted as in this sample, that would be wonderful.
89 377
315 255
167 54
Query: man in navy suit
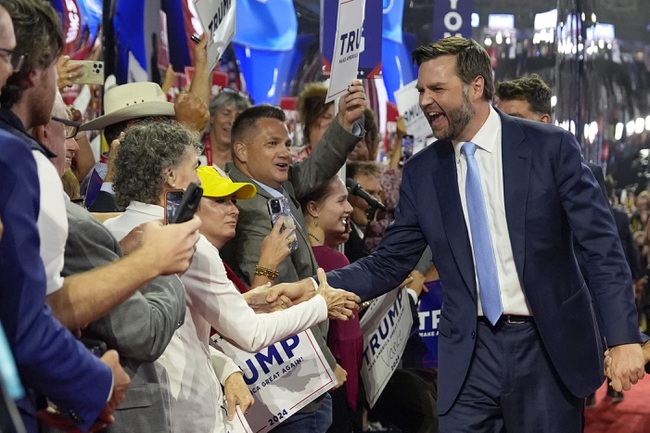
49 359
532 368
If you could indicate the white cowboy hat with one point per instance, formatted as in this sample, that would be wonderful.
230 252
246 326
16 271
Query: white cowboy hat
131 101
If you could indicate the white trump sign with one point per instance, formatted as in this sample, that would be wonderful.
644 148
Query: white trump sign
347 47
218 20
283 377
407 99
386 326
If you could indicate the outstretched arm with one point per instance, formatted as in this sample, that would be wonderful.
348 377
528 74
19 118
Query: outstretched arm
340 303
89 295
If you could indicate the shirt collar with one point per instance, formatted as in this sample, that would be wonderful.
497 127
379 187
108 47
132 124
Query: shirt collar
148 209
486 137
272 191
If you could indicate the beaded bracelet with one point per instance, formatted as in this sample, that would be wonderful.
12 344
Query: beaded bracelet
263 271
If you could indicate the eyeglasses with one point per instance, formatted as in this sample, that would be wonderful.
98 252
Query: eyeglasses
71 127
14 58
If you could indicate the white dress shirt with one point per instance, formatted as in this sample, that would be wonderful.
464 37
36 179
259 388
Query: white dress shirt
490 163
52 221
213 300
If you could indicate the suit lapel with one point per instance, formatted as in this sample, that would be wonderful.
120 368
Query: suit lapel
303 258
517 160
299 217
451 210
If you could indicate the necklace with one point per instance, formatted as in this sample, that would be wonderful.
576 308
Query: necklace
314 237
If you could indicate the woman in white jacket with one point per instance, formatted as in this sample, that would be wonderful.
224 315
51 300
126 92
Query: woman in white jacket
152 159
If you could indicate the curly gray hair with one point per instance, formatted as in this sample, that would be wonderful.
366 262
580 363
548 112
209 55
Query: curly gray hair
145 154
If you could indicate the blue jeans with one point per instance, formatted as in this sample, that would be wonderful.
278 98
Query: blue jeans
313 422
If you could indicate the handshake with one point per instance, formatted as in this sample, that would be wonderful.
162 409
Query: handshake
341 304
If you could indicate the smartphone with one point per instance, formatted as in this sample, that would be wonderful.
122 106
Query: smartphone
407 147
279 206
180 206
96 347
93 71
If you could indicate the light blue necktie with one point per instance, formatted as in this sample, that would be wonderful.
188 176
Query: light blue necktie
486 267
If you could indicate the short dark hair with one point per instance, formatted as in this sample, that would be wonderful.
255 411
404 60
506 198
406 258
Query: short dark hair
471 60
531 89
245 123
39 35
112 132
145 153
368 168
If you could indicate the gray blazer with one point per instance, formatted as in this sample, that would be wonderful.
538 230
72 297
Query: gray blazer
139 329
243 251
254 223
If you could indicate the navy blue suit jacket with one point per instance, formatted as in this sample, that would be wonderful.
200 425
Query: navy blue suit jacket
49 359
549 194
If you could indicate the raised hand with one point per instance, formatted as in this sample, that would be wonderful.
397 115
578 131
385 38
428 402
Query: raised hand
66 72
170 247
275 247
192 111
351 106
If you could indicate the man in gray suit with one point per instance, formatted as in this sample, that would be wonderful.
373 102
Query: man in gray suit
101 287
261 155
139 328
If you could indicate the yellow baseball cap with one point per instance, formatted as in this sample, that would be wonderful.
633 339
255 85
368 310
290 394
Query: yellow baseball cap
217 184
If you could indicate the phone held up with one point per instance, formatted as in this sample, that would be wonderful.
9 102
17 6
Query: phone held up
180 206
407 147
92 71
279 206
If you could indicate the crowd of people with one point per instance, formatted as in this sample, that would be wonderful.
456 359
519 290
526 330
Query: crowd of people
109 313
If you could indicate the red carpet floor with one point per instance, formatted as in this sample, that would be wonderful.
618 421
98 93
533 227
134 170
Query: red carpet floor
632 415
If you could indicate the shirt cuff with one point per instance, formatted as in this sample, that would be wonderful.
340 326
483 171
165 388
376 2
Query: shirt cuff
357 129
107 187
110 391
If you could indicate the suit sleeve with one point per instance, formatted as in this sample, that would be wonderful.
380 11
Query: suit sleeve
141 327
629 245
325 160
399 250
247 246
594 229
49 358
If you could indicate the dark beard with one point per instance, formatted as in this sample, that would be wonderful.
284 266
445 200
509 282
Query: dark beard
457 119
